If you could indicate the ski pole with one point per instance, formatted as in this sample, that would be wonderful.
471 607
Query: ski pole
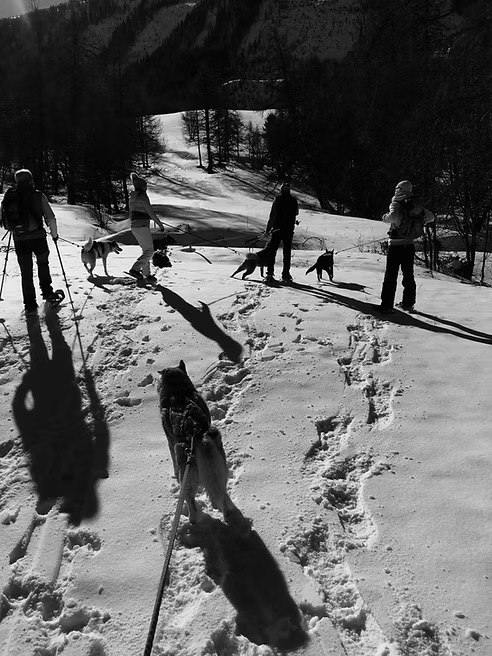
72 304
5 265
164 580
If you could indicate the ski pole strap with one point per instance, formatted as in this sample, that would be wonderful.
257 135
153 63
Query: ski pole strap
164 580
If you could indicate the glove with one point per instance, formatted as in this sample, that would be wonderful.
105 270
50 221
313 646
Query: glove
54 237
162 229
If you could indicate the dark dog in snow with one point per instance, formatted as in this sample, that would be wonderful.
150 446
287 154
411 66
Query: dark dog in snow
97 250
323 263
259 259
185 416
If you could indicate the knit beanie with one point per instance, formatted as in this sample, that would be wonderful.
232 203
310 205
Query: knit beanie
404 190
23 178
138 182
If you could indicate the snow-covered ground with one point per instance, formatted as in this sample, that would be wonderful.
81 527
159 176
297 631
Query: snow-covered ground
359 447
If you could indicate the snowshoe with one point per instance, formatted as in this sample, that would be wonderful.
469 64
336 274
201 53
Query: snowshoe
55 298
406 308
134 274
149 280
384 310
287 280
269 280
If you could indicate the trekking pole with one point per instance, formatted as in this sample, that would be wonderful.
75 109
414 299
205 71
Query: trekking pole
84 364
5 265
164 580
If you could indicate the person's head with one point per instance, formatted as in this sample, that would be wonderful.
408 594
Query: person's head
140 184
285 190
23 178
403 190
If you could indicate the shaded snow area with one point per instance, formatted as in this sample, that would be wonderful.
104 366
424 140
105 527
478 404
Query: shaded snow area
359 448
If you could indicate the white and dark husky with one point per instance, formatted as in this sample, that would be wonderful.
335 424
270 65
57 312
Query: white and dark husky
185 415
259 259
97 250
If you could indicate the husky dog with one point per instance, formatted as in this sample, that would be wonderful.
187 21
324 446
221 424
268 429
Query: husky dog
94 250
259 259
185 415
323 263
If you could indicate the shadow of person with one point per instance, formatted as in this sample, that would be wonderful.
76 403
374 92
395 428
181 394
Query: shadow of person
442 326
66 452
202 321
251 580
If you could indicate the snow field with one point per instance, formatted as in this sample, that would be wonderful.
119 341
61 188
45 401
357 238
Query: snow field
357 446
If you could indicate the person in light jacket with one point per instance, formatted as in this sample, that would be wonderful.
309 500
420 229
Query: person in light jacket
407 217
141 213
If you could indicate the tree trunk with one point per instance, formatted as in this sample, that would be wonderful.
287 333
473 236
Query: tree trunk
207 137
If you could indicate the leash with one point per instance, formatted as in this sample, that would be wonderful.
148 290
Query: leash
358 245
84 362
210 241
251 243
164 580
70 242
5 265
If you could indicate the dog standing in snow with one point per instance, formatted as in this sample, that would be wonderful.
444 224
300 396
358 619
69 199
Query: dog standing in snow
97 250
185 416
323 263
259 259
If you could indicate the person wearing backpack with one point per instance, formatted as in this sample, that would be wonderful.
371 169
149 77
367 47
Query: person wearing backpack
22 212
407 217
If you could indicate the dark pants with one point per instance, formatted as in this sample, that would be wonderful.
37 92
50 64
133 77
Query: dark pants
399 256
25 249
286 238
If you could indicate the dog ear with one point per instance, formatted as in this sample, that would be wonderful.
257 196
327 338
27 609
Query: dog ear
182 366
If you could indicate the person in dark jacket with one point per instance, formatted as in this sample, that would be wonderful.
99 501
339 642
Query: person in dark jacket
30 239
281 225
407 217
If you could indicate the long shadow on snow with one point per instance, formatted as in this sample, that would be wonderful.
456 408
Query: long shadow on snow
251 580
201 320
401 318
67 454
102 281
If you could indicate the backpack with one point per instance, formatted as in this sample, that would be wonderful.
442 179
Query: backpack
411 226
19 213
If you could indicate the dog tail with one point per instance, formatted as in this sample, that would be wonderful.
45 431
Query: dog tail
88 244
212 467
311 269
